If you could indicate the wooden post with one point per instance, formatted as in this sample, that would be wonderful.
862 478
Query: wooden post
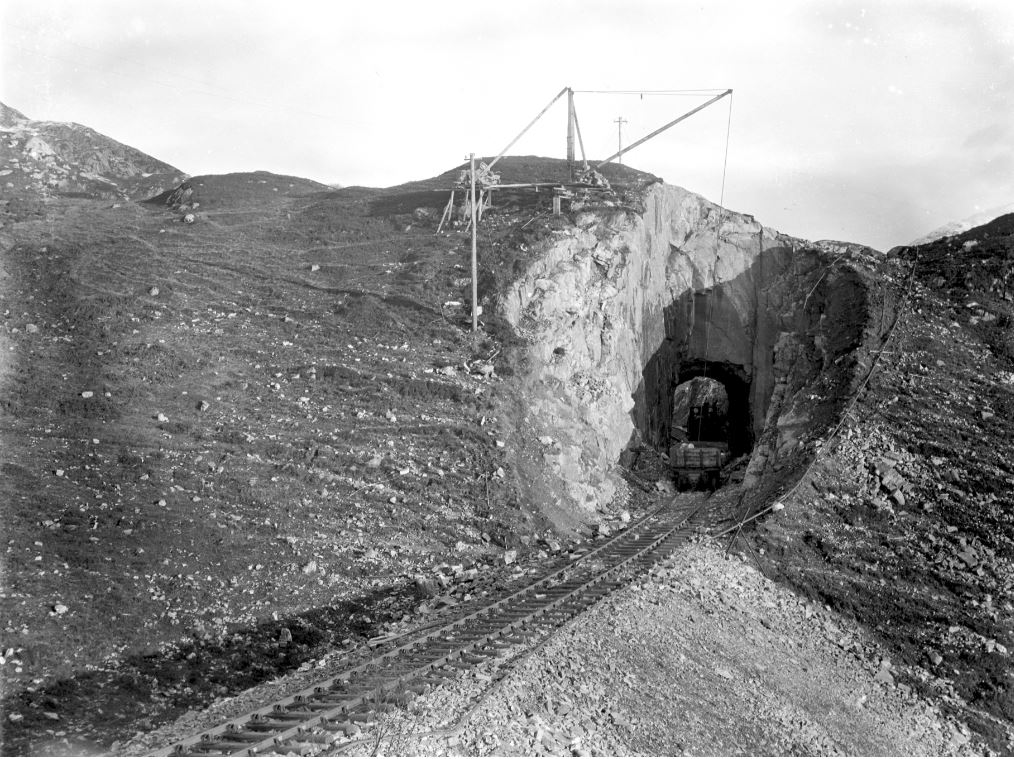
570 132
475 274
580 142
448 212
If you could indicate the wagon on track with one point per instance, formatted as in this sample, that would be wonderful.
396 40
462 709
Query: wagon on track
699 464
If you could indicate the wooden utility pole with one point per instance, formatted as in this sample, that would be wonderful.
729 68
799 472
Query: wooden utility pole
619 137
571 118
475 257
661 129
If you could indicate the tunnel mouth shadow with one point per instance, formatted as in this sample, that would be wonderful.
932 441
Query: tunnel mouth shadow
711 403
768 358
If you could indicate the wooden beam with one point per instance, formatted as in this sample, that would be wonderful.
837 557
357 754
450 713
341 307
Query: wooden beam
570 131
661 129
448 212
580 141
530 125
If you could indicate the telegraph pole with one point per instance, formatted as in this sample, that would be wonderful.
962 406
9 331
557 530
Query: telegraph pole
475 281
619 137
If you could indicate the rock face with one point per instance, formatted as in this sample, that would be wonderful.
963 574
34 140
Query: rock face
55 158
622 307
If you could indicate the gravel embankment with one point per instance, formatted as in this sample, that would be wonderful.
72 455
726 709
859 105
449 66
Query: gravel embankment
705 656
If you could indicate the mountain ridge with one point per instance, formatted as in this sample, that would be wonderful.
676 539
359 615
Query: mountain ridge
978 219
50 158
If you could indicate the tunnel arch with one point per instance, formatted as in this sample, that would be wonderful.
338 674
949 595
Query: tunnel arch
736 381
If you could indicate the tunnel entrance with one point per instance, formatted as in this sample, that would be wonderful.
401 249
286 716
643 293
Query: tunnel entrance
710 423
711 402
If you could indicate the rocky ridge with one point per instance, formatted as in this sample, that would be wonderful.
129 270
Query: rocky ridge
45 158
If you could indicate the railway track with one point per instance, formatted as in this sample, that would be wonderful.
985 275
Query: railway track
327 713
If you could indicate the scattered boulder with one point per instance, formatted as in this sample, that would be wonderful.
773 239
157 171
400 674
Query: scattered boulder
426 586
180 196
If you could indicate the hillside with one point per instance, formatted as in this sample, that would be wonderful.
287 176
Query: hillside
907 522
240 446
47 158
266 419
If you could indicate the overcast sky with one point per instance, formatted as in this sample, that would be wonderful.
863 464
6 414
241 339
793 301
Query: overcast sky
865 121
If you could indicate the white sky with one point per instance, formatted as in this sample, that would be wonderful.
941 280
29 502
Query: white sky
864 121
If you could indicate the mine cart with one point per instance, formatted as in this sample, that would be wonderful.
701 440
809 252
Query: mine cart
699 464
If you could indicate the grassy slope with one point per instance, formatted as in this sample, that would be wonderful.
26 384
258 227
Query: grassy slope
332 461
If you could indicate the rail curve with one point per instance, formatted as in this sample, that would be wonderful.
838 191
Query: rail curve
329 712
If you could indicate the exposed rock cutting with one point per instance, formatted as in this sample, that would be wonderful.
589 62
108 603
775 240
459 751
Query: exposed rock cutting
621 307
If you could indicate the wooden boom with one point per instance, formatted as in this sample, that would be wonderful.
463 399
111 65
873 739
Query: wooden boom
661 129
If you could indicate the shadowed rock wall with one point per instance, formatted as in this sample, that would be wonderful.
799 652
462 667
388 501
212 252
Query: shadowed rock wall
622 307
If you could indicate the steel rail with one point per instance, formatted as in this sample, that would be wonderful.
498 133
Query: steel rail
355 695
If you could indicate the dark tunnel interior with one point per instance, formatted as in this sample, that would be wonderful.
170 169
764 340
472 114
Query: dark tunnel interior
711 402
